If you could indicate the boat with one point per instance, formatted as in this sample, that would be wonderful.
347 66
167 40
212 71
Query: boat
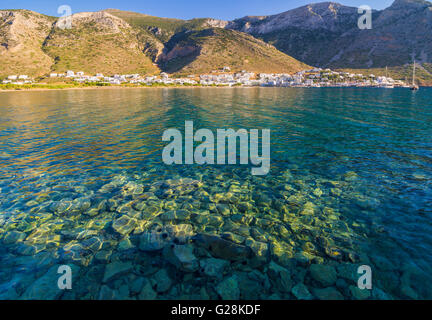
414 86
386 84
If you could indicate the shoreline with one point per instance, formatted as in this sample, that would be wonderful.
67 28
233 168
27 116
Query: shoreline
175 87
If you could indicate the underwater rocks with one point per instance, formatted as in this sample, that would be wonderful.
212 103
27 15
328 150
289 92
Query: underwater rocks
214 267
124 225
280 277
161 281
67 207
221 248
283 253
173 215
13 237
359 294
308 209
350 176
182 257
45 287
214 235
301 292
147 292
116 269
330 293
162 236
323 274
260 250
132 189
229 289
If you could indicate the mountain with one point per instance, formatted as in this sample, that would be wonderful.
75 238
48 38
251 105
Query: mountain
22 34
326 35
97 42
307 33
114 41
203 45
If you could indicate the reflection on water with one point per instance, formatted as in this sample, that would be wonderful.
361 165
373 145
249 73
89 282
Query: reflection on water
83 184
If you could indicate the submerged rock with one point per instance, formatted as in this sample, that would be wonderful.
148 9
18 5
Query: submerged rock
161 281
281 252
359 294
182 257
152 241
350 176
330 293
260 249
13 237
147 292
103 255
324 274
308 209
122 293
229 289
124 225
92 244
116 269
214 267
157 239
280 277
132 188
125 244
221 248
301 292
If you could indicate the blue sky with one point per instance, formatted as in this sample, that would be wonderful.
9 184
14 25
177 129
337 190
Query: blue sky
184 9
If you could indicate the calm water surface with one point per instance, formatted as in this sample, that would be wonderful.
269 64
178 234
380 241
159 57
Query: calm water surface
83 184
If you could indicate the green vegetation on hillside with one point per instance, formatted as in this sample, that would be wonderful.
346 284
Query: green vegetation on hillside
214 48
94 48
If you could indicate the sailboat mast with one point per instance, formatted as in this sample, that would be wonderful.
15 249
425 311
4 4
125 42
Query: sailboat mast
414 70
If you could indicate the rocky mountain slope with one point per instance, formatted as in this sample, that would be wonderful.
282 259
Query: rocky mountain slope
326 34
22 34
213 48
97 42
113 41
202 45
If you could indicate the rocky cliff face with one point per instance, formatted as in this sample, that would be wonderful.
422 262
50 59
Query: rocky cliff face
329 16
105 21
22 34
202 45
98 42
326 34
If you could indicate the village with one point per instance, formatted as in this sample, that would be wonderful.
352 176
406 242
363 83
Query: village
316 77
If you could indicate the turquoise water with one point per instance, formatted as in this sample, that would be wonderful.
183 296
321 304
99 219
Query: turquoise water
83 184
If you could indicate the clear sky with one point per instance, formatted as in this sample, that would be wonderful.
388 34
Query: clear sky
183 9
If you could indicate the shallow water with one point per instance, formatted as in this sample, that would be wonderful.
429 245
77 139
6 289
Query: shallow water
83 184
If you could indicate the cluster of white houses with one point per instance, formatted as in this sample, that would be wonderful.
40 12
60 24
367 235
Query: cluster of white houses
18 79
308 78
117 79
